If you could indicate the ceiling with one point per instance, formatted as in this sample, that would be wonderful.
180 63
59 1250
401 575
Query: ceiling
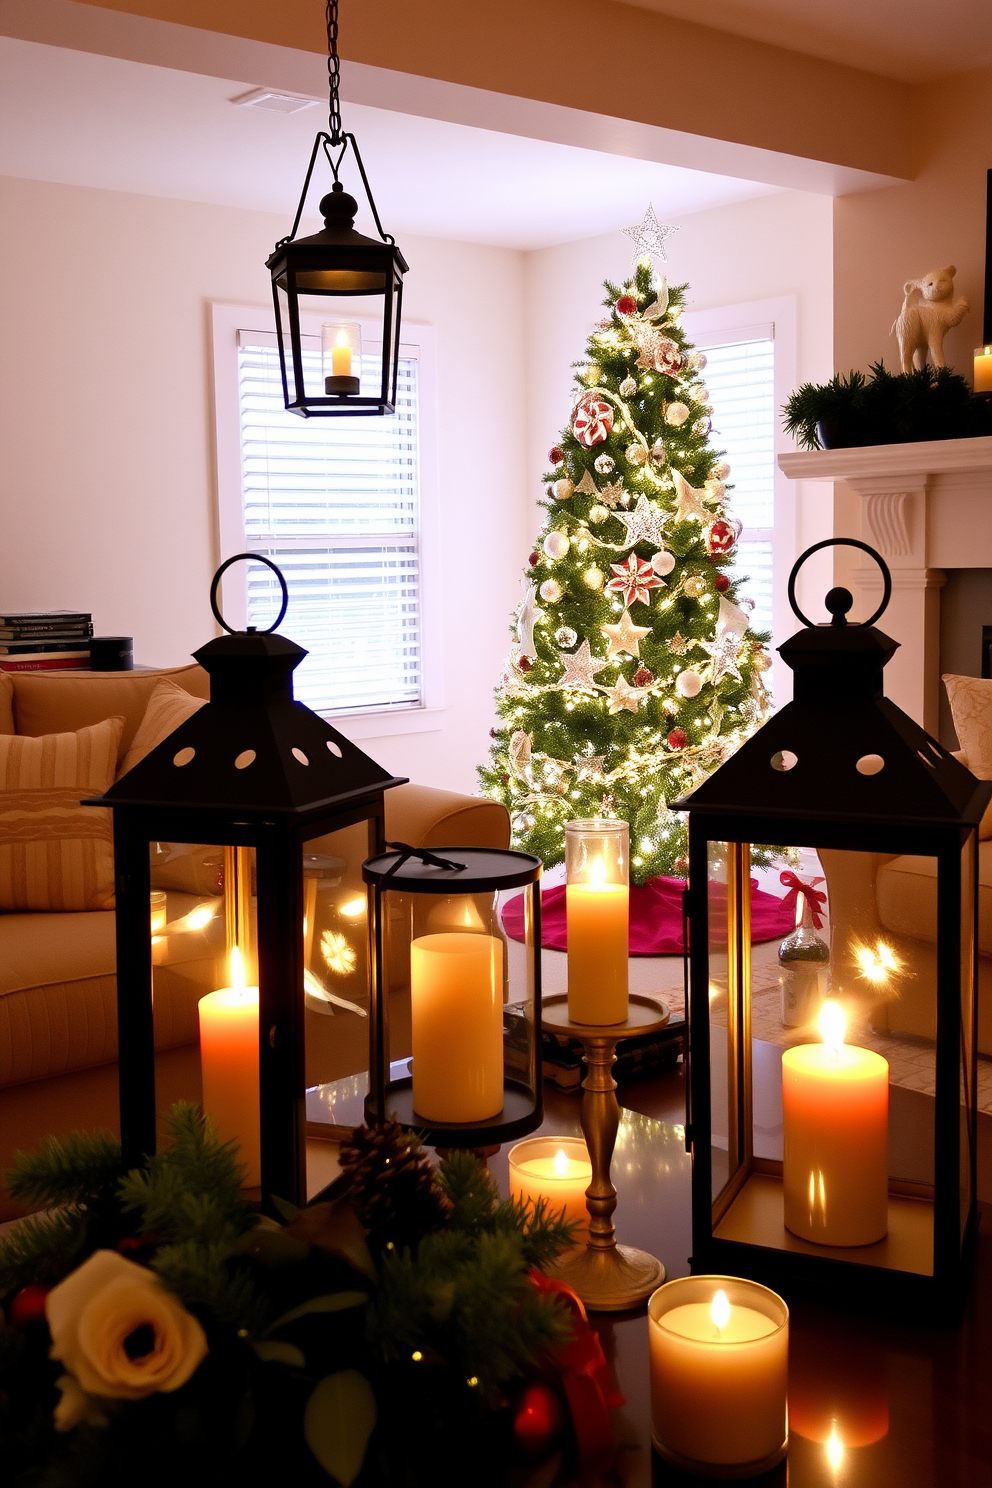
85 119
910 40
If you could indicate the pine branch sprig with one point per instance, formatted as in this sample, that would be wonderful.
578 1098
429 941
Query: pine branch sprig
191 1189
41 1248
202 1277
65 1170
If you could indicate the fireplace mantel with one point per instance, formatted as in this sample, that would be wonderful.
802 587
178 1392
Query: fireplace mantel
926 507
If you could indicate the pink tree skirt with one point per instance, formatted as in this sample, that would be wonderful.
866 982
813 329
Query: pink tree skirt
655 917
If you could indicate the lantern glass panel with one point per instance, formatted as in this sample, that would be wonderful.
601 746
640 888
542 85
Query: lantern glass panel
967 1094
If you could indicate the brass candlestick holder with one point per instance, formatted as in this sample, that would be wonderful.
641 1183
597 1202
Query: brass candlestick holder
607 1276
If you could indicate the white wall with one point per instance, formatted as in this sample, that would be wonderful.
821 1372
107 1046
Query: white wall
772 247
108 499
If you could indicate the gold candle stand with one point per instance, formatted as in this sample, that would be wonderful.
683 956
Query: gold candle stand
607 1276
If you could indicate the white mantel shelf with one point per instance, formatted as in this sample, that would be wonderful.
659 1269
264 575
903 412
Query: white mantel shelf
925 507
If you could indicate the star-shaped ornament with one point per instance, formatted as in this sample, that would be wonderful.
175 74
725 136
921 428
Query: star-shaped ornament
645 524
649 236
621 695
580 668
527 617
625 637
678 645
634 580
586 486
723 652
612 494
688 501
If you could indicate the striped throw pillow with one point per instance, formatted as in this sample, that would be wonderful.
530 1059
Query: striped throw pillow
54 853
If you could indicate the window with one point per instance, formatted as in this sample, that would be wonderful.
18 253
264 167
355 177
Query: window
336 503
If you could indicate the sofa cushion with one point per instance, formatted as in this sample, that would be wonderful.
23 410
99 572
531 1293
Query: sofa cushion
429 817
6 703
54 853
971 710
168 707
906 890
46 703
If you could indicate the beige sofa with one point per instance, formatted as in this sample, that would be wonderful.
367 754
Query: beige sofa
57 979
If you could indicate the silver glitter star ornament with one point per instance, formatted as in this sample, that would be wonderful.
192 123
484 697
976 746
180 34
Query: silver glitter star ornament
645 524
649 236
621 695
580 668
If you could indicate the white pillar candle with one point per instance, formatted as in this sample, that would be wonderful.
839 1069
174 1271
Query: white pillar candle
719 1375
558 1170
229 1065
835 1110
456 1007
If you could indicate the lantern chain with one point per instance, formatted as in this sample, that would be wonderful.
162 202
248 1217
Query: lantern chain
333 74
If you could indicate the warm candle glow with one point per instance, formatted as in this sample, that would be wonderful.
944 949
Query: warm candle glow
556 1170
237 969
197 918
229 1063
720 1311
876 963
834 1449
983 369
832 1023
352 909
341 355
597 872
561 1164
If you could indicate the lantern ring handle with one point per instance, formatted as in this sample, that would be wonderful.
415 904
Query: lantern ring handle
841 542
252 558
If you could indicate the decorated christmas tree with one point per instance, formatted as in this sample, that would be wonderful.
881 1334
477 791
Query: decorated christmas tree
632 673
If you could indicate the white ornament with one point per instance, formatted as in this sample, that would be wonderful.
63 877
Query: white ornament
689 501
723 652
649 236
701 427
566 637
580 668
598 514
663 563
928 311
586 486
701 393
636 454
676 414
688 684
564 489
695 585
593 578
628 388
624 638
556 544
697 361
551 591
527 616
604 464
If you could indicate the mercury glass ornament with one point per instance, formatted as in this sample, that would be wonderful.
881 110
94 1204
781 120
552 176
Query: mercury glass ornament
636 454
721 471
604 464
598 514
566 637
658 455
676 414
551 591
628 388
593 577
556 544
697 361
695 585
701 427
805 962
564 489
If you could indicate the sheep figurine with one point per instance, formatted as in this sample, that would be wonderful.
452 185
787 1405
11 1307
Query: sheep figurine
928 310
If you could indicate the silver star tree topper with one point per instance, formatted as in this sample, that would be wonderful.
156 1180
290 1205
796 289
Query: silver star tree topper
648 237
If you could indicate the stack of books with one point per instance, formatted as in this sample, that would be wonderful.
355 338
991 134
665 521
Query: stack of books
45 641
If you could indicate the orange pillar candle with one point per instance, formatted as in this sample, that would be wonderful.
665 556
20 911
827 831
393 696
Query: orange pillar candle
719 1374
558 1170
835 1109
229 1065
597 905
456 1014
983 369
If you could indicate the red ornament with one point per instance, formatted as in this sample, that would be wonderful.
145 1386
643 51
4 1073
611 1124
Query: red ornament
681 867
642 677
634 580
556 455
539 1420
626 305
534 559
678 739
592 420
524 663
721 536
28 1306
721 583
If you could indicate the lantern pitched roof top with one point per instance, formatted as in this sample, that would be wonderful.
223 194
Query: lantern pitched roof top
252 747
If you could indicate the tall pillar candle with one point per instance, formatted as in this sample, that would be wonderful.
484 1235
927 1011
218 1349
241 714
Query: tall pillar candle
719 1351
835 1109
456 1009
229 1066
597 902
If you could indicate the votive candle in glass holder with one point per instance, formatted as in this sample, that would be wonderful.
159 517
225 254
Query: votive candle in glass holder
983 369
558 1170
719 1375
597 900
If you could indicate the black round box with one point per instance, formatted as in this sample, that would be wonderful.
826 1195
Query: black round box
112 654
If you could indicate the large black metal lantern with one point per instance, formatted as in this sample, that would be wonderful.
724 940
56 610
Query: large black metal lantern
337 274
249 826
832 1065
450 987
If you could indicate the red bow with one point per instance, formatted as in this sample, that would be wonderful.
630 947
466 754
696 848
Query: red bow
585 1377
814 897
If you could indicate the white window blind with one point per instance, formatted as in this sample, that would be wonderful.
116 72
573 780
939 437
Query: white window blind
335 503
740 378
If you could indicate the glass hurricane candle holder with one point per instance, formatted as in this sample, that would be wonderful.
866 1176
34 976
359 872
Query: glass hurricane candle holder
341 357
597 897
719 1351
558 1170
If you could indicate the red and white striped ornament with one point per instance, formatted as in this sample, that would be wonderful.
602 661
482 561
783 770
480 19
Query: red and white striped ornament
592 421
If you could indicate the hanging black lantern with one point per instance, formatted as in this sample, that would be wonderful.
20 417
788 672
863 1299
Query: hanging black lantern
291 809
841 1160
328 272
447 984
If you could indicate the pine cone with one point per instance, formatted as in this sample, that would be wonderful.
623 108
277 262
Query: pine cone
394 1190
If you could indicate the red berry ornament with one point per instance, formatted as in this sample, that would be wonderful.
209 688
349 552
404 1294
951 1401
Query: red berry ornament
626 305
539 1420
642 677
678 739
534 559
556 455
524 663
721 583
28 1306
681 867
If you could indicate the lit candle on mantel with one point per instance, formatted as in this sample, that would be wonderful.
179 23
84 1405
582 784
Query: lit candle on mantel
229 1065
456 1015
835 1108
719 1374
597 913
558 1170
983 369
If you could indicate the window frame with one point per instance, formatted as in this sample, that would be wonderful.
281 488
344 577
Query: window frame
226 321
775 320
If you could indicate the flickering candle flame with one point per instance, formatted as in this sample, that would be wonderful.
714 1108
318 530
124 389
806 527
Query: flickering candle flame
832 1023
834 1448
561 1163
597 872
237 969
341 355
720 1311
